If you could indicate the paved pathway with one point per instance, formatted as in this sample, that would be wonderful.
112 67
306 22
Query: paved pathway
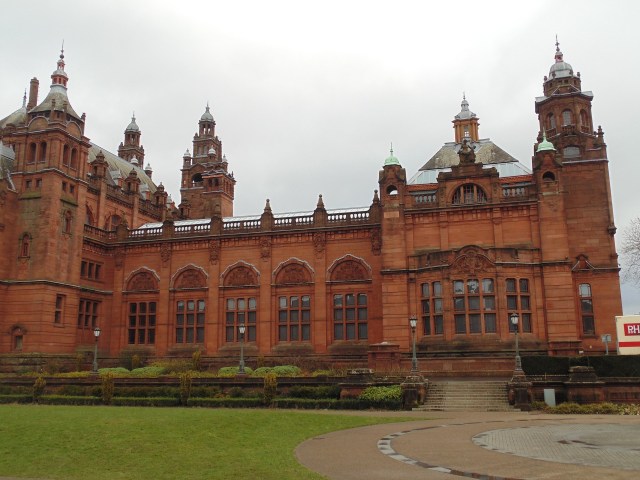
492 446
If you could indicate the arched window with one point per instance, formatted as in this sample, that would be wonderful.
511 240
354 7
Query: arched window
196 180
25 245
43 151
469 193
567 117
32 153
241 302
74 158
548 177
551 122
66 222
571 152
392 190
88 218
17 335
586 309
112 222
66 153
584 121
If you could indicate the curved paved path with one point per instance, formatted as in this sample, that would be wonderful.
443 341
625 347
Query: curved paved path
506 446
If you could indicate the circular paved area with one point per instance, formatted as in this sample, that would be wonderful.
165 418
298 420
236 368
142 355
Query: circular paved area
603 445
491 446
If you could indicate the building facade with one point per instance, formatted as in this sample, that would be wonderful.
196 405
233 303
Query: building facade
469 240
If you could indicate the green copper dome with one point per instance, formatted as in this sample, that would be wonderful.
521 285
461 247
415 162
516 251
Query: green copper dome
545 145
391 160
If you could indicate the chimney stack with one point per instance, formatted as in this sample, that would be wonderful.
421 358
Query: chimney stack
33 93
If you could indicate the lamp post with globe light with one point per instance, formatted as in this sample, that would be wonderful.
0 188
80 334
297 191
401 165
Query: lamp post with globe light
241 329
96 333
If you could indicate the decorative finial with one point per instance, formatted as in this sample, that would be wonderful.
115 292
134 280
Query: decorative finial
464 97
24 99
62 49
133 117
557 44
320 203
391 149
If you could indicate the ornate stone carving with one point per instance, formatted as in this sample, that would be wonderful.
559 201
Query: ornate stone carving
319 241
190 278
376 242
119 258
165 252
214 251
265 247
466 153
143 281
294 273
240 276
349 271
470 262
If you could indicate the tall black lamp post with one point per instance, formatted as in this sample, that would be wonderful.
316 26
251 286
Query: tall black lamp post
96 333
413 321
517 371
241 329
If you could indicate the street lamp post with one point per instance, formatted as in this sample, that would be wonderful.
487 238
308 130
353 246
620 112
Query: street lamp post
96 333
517 372
413 321
241 329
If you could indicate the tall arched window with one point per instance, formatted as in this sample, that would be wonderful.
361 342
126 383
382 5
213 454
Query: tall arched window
551 121
584 121
74 158
567 117
43 152
31 158
66 152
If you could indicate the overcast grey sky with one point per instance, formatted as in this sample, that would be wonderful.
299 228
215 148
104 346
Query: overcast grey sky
307 96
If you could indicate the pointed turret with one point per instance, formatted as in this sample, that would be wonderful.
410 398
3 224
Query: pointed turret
131 147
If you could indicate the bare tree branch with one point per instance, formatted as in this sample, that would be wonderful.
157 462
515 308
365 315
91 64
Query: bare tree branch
630 252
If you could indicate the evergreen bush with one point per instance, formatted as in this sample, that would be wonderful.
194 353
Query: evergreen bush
270 387
38 388
185 387
107 388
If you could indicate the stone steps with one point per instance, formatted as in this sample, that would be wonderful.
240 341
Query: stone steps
461 395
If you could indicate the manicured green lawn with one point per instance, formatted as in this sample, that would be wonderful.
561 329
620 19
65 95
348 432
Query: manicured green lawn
87 443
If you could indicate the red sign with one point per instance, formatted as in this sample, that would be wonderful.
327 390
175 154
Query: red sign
631 329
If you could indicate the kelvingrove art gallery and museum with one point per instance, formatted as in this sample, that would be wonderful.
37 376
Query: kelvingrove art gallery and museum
90 239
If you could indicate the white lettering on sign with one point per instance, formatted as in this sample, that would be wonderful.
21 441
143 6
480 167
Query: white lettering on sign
632 328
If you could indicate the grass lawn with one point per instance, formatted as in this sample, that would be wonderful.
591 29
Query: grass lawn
87 443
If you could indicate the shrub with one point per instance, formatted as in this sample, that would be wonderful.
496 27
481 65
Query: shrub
116 371
69 400
185 387
152 391
226 402
233 371
261 371
79 361
287 371
107 388
147 372
73 374
52 366
174 366
303 391
196 360
15 398
38 388
381 394
146 401
206 392
136 361
235 392
270 387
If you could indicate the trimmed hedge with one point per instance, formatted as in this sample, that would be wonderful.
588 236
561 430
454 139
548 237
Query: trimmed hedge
16 398
605 408
145 401
226 402
334 404
304 391
604 365
68 400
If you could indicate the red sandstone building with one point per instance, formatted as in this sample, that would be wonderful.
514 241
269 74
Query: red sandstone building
471 238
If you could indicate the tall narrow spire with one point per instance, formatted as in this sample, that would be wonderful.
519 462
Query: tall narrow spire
59 77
